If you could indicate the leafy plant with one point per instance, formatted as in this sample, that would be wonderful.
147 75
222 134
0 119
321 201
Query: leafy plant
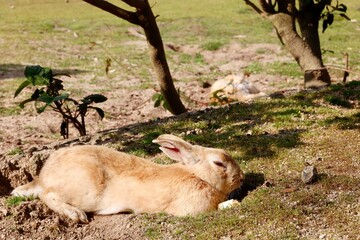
159 100
50 93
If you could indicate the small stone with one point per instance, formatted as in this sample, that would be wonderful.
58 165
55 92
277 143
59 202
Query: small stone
322 236
309 174
225 238
4 212
34 214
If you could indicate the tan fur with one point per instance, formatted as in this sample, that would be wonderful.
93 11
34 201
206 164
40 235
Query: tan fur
104 181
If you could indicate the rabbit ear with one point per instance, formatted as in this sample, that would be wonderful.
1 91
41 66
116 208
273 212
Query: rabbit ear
177 149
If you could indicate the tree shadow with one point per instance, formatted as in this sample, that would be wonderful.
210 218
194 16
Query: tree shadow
344 123
221 127
9 70
235 127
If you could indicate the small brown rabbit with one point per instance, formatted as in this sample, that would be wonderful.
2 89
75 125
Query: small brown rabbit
101 180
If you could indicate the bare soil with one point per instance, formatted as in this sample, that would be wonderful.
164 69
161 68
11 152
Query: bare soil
35 136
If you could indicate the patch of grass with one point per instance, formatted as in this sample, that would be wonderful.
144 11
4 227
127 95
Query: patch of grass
290 69
16 200
150 136
199 59
15 151
9 111
152 233
349 122
212 46
337 101
254 68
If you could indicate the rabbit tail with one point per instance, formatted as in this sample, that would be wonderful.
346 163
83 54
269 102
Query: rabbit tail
31 189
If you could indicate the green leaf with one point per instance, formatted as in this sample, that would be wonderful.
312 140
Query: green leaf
22 104
166 105
344 16
21 87
330 19
155 96
38 75
37 94
50 99
46 98
63 96
96 98
157 102
99 111
42 109
324 25
341 8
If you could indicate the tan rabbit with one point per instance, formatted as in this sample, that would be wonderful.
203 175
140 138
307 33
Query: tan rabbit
101 180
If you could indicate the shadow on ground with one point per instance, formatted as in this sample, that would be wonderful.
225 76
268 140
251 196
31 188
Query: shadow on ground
9 70
240 128
251 182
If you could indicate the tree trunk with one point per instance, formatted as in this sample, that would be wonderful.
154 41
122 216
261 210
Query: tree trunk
309 26
303 50
144 17
158 58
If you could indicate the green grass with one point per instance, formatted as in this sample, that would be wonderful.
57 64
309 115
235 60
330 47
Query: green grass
272 140
212 46
15 151
17 200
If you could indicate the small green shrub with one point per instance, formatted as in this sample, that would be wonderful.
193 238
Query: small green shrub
159 100
50 93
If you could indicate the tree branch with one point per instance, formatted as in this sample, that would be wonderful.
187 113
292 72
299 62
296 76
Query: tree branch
251 4
267 6
138 4
117 11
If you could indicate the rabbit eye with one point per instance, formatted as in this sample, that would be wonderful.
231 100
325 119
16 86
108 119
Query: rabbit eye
219 164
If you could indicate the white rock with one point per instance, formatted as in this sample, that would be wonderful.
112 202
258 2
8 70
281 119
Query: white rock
235 87
228 204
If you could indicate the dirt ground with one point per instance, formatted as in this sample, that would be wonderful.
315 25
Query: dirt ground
33 135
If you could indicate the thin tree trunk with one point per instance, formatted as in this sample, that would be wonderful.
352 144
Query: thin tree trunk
158 58
309 26
305 48
144 17
315 74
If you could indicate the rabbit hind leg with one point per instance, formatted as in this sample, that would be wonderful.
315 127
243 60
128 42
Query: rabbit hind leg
55 203
31 189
